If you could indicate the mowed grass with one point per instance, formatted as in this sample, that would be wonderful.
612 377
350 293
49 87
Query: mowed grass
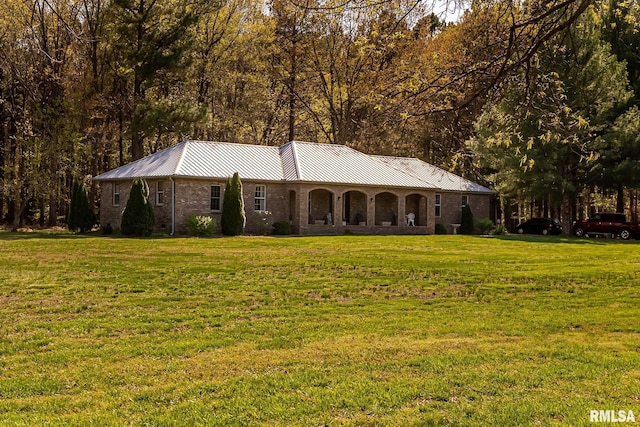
310 331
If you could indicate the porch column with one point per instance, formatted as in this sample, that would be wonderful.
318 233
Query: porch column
303 209
337 207
371 209
402 210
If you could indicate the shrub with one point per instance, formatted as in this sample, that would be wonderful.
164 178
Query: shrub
281 228
137 218
466 224
500 230
484 226
201 225
106 229
81 217
233 216
441 229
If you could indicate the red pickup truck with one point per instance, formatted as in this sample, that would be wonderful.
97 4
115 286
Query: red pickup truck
609 224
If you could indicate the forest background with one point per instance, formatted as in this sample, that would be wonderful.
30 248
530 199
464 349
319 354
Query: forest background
538 99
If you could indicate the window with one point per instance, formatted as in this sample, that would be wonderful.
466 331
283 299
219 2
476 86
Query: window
465 200
260 201
215 197
438 205
116 194
159 193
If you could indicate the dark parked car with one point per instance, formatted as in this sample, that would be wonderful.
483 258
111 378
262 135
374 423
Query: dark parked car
607 224
542 226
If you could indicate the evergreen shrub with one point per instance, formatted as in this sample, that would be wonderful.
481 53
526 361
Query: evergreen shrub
81 216
484 226
466 224
281 228
233 217
137 218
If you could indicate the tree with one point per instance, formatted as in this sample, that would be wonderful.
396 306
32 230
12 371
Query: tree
233 215
137 218
81 216
541 139
467 223
153 38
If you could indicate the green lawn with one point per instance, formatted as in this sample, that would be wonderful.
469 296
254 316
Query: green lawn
390 331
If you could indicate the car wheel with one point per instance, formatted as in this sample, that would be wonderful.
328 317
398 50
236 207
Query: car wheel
625 234
579 232
545 232
520 231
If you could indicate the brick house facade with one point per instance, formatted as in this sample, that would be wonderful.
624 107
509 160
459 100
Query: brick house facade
352 192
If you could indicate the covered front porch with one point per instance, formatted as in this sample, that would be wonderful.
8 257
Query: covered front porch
339 210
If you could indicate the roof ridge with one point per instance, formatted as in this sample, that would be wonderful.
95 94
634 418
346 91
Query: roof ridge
232 143
182 154
296 161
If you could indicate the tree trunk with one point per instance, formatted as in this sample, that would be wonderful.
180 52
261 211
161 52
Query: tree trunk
53 209
566 214
620 199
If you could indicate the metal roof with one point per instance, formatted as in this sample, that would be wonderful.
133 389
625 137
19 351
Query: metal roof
202 159
339 164
293 162
442 179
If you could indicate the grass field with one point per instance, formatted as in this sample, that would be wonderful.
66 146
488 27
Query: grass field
397 331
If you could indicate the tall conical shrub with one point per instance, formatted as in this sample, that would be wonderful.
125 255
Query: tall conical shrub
81 216
233 216
467 224
137 218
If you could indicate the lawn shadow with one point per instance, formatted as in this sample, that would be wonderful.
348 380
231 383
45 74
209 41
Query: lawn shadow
66 235
557 239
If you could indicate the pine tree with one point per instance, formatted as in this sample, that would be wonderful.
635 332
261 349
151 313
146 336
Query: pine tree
137 218
233 216
81 216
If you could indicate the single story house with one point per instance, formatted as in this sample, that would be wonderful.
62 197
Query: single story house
317 188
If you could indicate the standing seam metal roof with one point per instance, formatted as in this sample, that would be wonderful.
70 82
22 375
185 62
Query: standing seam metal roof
339 164
293 162
442 179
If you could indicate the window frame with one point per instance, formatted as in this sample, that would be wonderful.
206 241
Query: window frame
115 194
217 198
159 193
465 200
260 199
438 205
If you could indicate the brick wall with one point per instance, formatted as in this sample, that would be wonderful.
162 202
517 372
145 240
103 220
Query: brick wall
194 196
111 213
451 208
290 202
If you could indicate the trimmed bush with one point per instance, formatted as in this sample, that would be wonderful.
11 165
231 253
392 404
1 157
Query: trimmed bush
201 225
441 229
137 218
466 224
81 216
233 216
281 228
484 226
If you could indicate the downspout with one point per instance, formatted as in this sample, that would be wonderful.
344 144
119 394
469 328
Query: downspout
173 206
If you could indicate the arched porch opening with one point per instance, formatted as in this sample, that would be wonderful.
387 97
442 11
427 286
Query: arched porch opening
354 207
386 209
416 204
321 207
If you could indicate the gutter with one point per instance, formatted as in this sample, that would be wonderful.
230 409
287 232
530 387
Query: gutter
173 206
